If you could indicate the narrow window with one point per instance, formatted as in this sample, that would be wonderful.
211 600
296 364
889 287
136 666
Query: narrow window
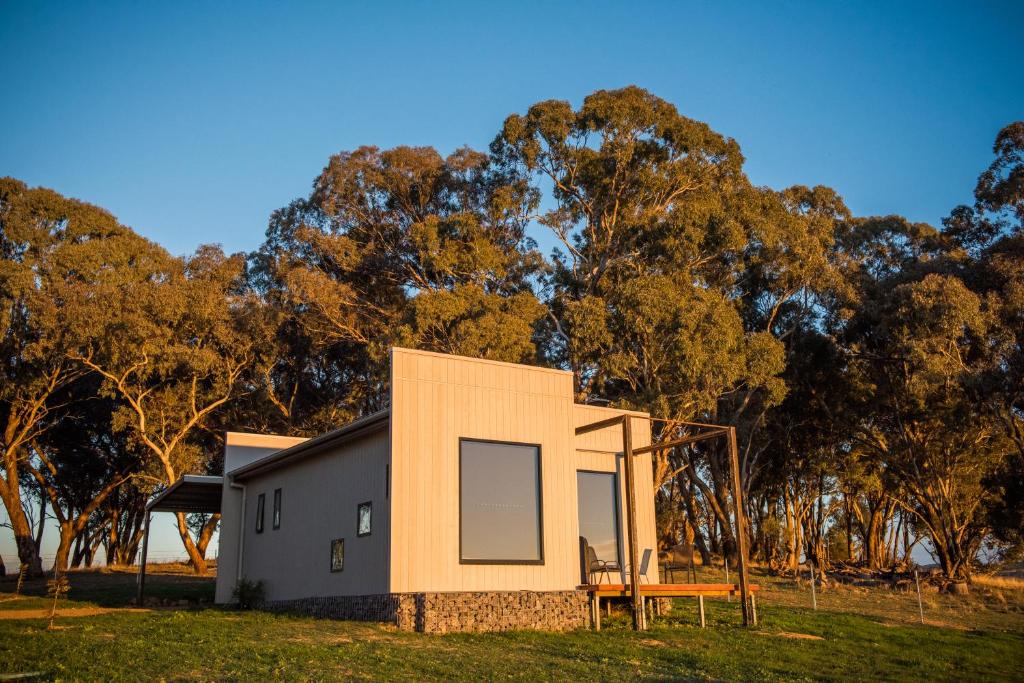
500 503
277 508
363 518
598 507
260 504
337 554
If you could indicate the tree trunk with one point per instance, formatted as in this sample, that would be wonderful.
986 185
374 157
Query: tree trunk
42 520
78 553
60 560
688 492
195 558
207 533
849 527
28 553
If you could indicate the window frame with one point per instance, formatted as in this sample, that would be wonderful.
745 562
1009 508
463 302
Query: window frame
369 505
540 503
261 507
276 516
619 536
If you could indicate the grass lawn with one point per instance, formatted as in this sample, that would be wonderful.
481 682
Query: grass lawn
853 639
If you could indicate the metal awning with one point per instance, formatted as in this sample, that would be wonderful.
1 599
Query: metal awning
191 493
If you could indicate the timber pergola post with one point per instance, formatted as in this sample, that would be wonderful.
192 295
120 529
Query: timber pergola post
741 529
628 453
639 613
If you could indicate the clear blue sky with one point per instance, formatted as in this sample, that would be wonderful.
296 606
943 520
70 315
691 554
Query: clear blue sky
192 121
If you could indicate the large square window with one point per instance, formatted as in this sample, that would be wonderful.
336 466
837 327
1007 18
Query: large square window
500 503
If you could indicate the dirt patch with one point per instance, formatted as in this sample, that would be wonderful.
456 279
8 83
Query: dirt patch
68 612
651 642
790 634
321 639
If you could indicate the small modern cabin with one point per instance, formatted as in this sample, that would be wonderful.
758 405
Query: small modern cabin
469 504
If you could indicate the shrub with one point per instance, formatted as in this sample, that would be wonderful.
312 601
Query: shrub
248 594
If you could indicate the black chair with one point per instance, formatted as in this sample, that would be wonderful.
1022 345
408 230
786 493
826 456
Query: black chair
593 565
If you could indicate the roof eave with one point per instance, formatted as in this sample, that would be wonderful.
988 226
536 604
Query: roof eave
353 430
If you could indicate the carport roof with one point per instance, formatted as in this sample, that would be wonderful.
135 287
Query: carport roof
191 493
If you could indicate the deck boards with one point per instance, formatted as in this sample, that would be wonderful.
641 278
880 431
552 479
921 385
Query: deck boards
665 590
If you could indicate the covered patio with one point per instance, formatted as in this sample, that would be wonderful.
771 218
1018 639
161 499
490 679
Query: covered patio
638 598
190 493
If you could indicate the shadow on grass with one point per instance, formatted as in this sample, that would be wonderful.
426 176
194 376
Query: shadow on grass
118 588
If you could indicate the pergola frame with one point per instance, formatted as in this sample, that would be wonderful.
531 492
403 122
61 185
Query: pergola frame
710 431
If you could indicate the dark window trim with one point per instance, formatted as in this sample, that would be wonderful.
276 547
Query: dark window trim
540 501
620 540
261 506
368 504
331 559
277 509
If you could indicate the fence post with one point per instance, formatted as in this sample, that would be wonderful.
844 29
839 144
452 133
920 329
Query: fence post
920 605
728 596
814 595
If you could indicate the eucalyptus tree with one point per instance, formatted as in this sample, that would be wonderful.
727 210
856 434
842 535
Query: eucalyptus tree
53 251
397 246
172 345
914 347
675 277
992 233
79 462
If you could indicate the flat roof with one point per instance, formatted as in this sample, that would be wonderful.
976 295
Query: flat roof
351 431
487 361
191 493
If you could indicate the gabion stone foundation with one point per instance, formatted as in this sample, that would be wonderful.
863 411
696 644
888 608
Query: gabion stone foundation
452 612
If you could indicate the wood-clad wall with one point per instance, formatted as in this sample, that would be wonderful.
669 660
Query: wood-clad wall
437 399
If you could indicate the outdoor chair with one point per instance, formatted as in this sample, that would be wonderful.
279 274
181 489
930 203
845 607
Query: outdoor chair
601 567
672 563
645 564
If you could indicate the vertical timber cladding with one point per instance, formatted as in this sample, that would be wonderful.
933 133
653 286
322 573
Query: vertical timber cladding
438 399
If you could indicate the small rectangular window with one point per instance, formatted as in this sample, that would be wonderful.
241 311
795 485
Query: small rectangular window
277 508
260 504
363 519
337 554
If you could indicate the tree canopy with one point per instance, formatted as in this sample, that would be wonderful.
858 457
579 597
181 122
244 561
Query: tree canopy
873 367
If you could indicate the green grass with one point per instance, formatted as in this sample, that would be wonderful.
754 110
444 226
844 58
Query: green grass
216 644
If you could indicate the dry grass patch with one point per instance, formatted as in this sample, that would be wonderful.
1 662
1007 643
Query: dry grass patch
790 634
1011 583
